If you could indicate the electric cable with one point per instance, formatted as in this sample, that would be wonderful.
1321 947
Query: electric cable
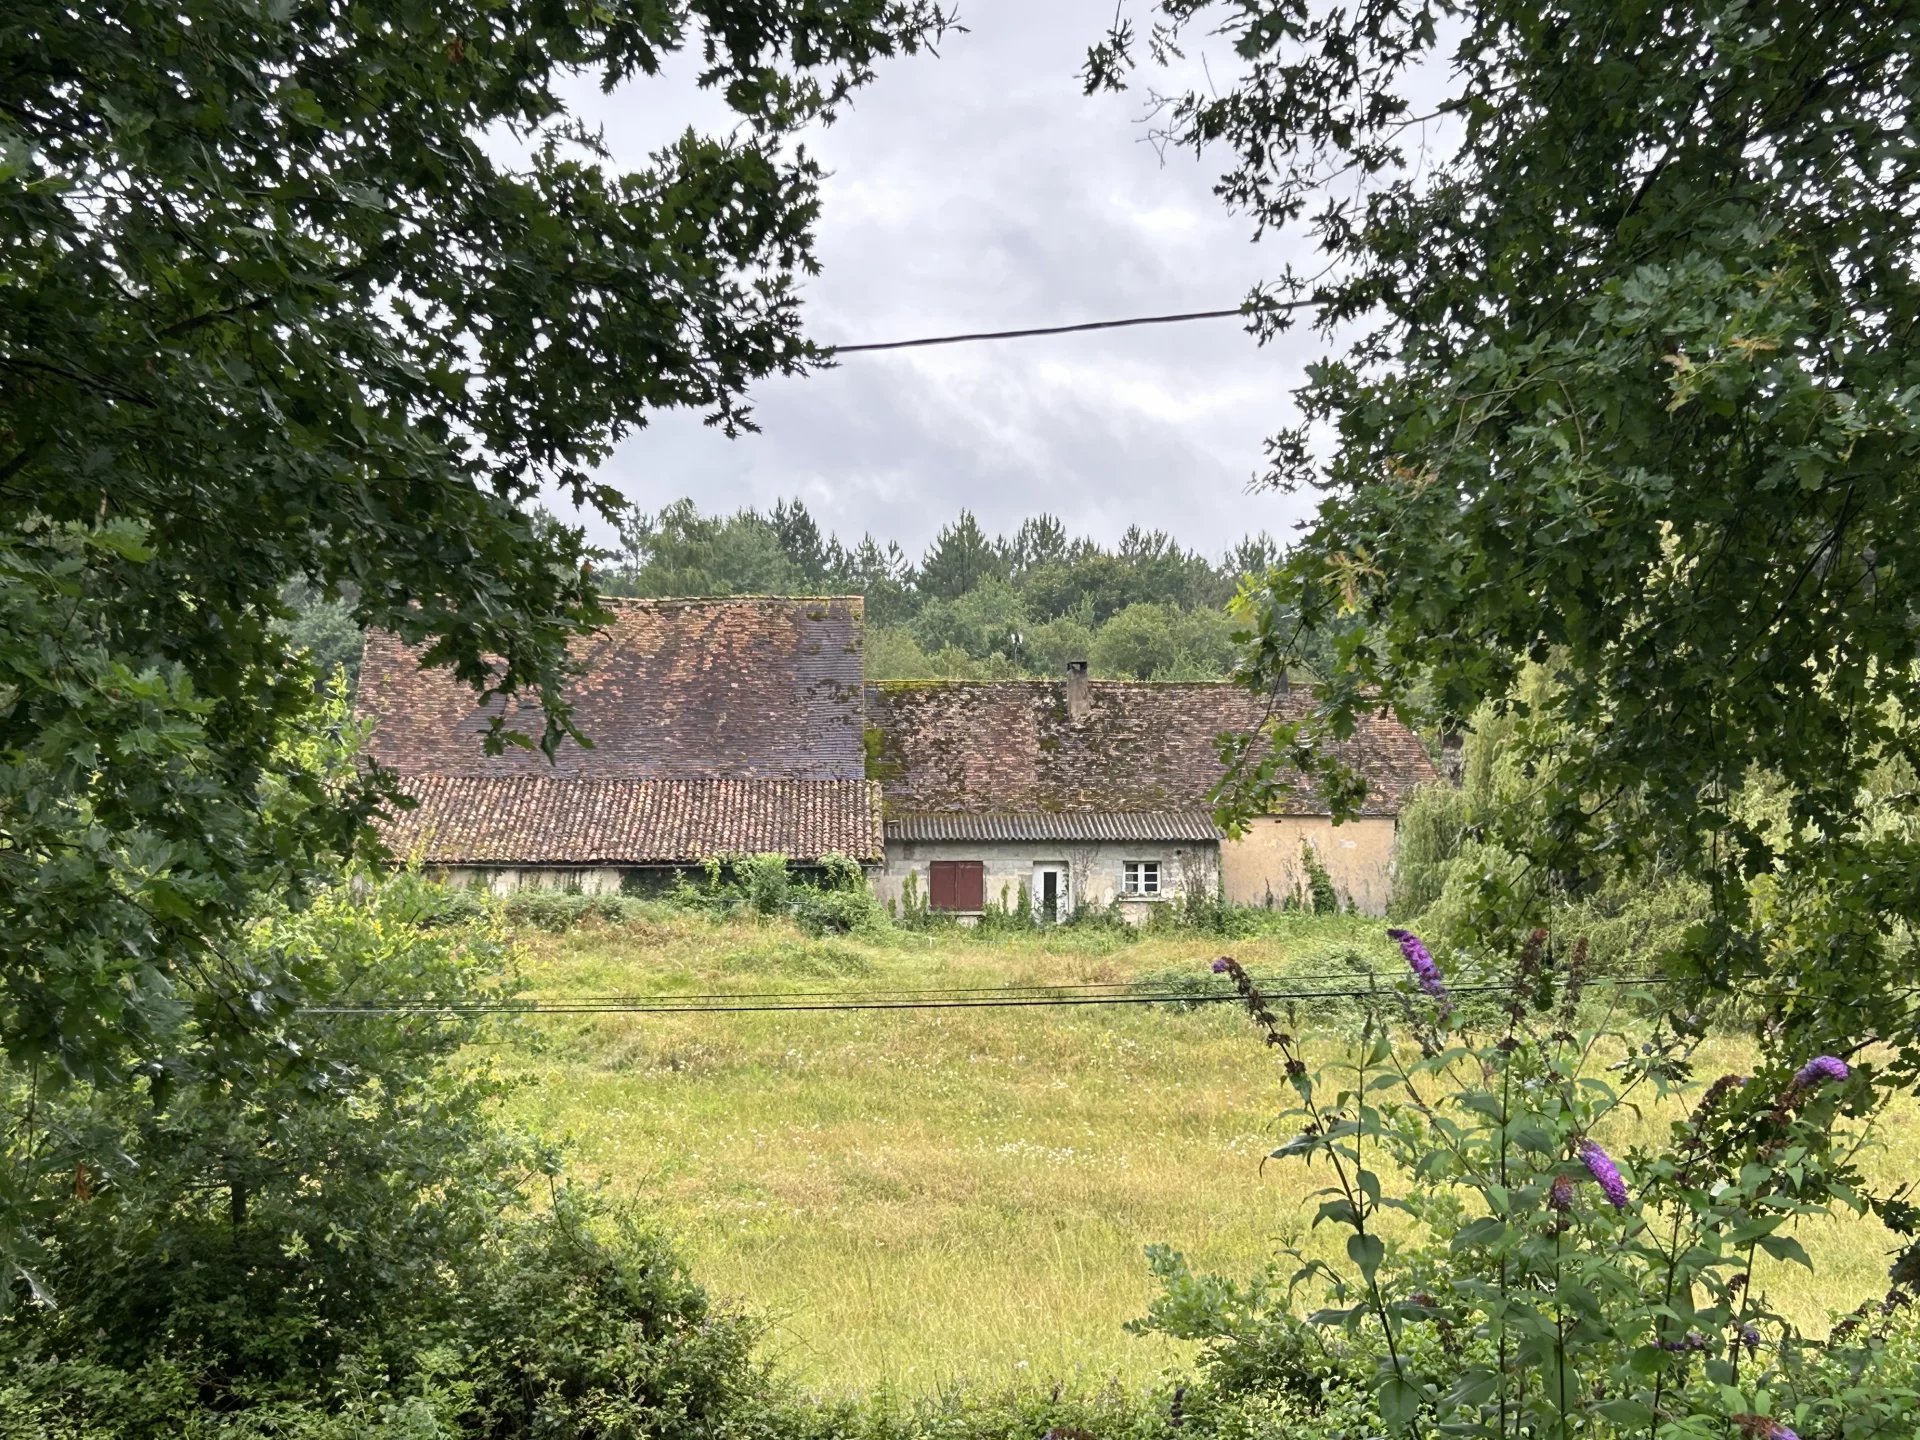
1056 329
854 1001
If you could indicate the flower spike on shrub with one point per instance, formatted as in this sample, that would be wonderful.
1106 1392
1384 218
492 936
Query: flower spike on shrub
1605 1174
1819 1070
1421 961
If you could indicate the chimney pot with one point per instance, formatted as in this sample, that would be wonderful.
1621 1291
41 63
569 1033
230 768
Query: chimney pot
1079 701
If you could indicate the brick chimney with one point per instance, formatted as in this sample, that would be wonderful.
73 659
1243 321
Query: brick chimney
1079 702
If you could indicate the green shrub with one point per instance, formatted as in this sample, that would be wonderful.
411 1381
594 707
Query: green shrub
445 905
1427 838
576 1335
561 910
317 1225
764 882
1530 1286
1321 898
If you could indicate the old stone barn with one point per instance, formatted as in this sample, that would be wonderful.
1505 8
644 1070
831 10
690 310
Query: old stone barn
746 726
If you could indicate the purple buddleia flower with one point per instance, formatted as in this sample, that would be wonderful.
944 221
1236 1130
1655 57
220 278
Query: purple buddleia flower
1819 1070
1560 1193
1605 1174
1222 965
1750 1338
1764 1427
1422 964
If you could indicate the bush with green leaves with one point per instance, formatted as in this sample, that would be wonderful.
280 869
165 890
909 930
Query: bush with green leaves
832 897
1523 1282
317 1223
557 911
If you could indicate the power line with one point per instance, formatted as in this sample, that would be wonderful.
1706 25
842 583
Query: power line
1053 329
900 1000
866 992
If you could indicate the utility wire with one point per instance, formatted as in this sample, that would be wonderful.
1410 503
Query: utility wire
854 1001
1051 329
866 992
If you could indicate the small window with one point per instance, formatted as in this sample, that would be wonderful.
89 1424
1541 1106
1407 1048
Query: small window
957 885
1140 877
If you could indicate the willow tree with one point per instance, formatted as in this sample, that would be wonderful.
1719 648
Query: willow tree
1624 384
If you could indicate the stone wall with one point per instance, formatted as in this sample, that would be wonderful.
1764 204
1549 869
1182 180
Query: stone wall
1263 867
587 880
1093 870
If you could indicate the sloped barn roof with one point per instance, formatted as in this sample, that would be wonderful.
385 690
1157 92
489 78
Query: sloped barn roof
533 820
1012 748
745 688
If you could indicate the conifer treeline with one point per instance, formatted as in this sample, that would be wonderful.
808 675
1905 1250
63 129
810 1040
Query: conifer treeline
973 605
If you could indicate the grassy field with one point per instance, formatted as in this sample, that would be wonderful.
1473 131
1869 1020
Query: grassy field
919 1198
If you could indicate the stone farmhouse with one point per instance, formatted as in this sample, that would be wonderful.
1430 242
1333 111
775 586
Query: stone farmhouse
745 725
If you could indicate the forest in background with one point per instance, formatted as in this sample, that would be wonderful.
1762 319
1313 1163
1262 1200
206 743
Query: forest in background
974 606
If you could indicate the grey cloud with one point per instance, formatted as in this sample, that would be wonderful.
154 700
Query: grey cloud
978 191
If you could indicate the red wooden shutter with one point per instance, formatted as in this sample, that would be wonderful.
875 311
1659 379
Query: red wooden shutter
971 885
940 885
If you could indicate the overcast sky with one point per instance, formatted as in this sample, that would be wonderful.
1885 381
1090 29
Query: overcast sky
981 191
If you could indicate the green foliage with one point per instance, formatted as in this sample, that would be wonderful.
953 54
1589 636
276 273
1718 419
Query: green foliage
1321 898
578 1337
978 607
1428 836
1538 1291
554 910
987 621
960 560
681 552
320 1226
324 631
279 312
263 1195
1623 391
833 899
763 882
1461 857
1160 641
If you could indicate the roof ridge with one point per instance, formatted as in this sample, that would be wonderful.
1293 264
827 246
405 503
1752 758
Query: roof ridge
408 776
955 683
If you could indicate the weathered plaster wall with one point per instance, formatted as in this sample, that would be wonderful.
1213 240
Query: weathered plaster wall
1093 870
1264 867
595 880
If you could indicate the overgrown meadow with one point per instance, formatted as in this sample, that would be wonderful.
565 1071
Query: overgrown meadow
919 1199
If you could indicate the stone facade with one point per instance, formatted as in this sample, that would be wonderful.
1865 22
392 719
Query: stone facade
1264 866
1018 765
1090 872
583 879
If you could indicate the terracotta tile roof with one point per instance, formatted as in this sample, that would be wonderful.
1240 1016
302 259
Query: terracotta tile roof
674 689
539 820
1010 747
1039 825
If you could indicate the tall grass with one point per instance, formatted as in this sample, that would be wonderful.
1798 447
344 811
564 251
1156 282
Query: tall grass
919 1198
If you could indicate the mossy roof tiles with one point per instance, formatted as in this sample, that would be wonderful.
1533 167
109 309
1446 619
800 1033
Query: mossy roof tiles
744 688
1012 748
514 820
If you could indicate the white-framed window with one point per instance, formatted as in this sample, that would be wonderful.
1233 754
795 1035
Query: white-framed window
1140 877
